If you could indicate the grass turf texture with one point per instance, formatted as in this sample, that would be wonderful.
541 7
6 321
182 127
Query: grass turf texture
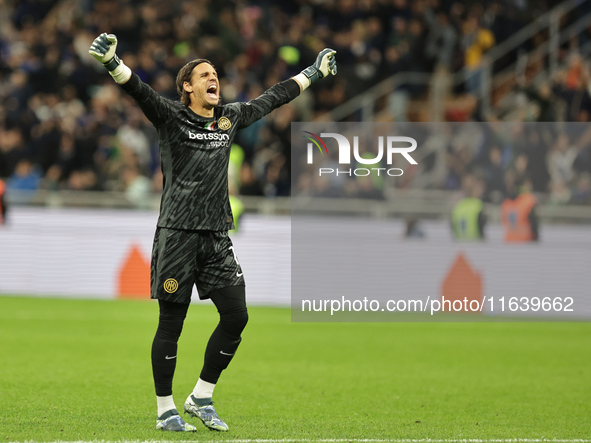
80 370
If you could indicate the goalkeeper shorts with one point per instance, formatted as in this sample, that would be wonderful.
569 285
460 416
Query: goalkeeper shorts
182 259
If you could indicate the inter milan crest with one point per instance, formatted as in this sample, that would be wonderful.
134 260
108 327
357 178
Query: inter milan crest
171 285
224 123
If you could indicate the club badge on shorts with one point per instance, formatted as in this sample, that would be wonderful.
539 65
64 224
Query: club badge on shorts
171 285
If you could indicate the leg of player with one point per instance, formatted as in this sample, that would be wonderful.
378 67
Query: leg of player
231 305
164 356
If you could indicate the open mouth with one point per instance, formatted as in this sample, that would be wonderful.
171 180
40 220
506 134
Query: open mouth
212 92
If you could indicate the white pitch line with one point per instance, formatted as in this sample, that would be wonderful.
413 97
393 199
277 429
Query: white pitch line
342 440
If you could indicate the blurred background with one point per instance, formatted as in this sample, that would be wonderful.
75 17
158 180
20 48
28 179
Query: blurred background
66 126
71 138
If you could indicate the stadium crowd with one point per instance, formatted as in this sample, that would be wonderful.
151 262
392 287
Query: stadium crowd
64 124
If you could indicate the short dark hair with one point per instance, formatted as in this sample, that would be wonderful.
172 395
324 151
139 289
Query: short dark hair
184 75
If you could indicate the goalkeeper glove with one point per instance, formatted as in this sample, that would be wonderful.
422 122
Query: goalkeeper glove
324 65
103 49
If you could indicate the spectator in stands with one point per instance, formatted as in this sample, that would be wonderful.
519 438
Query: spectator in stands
26 177
518 211
82 180
3 203
582 190
138 187
249 185
441 39
52 95
493 174
413 229
561 159
476 41
468 219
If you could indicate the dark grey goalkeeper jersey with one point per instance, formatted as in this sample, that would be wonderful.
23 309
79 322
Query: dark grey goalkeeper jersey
195 152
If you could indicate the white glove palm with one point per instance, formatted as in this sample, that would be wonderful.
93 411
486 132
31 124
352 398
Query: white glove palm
324 65
326 62
103 49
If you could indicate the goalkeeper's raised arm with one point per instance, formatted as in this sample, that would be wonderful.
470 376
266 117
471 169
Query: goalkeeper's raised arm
284 92
104 48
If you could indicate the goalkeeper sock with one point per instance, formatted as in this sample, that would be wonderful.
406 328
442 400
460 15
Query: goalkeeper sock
163 365
165 404
223 343
203 389
164 346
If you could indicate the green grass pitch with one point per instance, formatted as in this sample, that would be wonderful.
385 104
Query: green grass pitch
79 370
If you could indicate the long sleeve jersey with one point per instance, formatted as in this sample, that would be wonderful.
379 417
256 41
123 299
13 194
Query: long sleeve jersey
195 152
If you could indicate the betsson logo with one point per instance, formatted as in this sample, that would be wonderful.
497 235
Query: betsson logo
392 147
208 136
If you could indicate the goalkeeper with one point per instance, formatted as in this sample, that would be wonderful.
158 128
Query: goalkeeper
191 243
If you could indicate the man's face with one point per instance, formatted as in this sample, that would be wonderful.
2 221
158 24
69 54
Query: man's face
204 86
